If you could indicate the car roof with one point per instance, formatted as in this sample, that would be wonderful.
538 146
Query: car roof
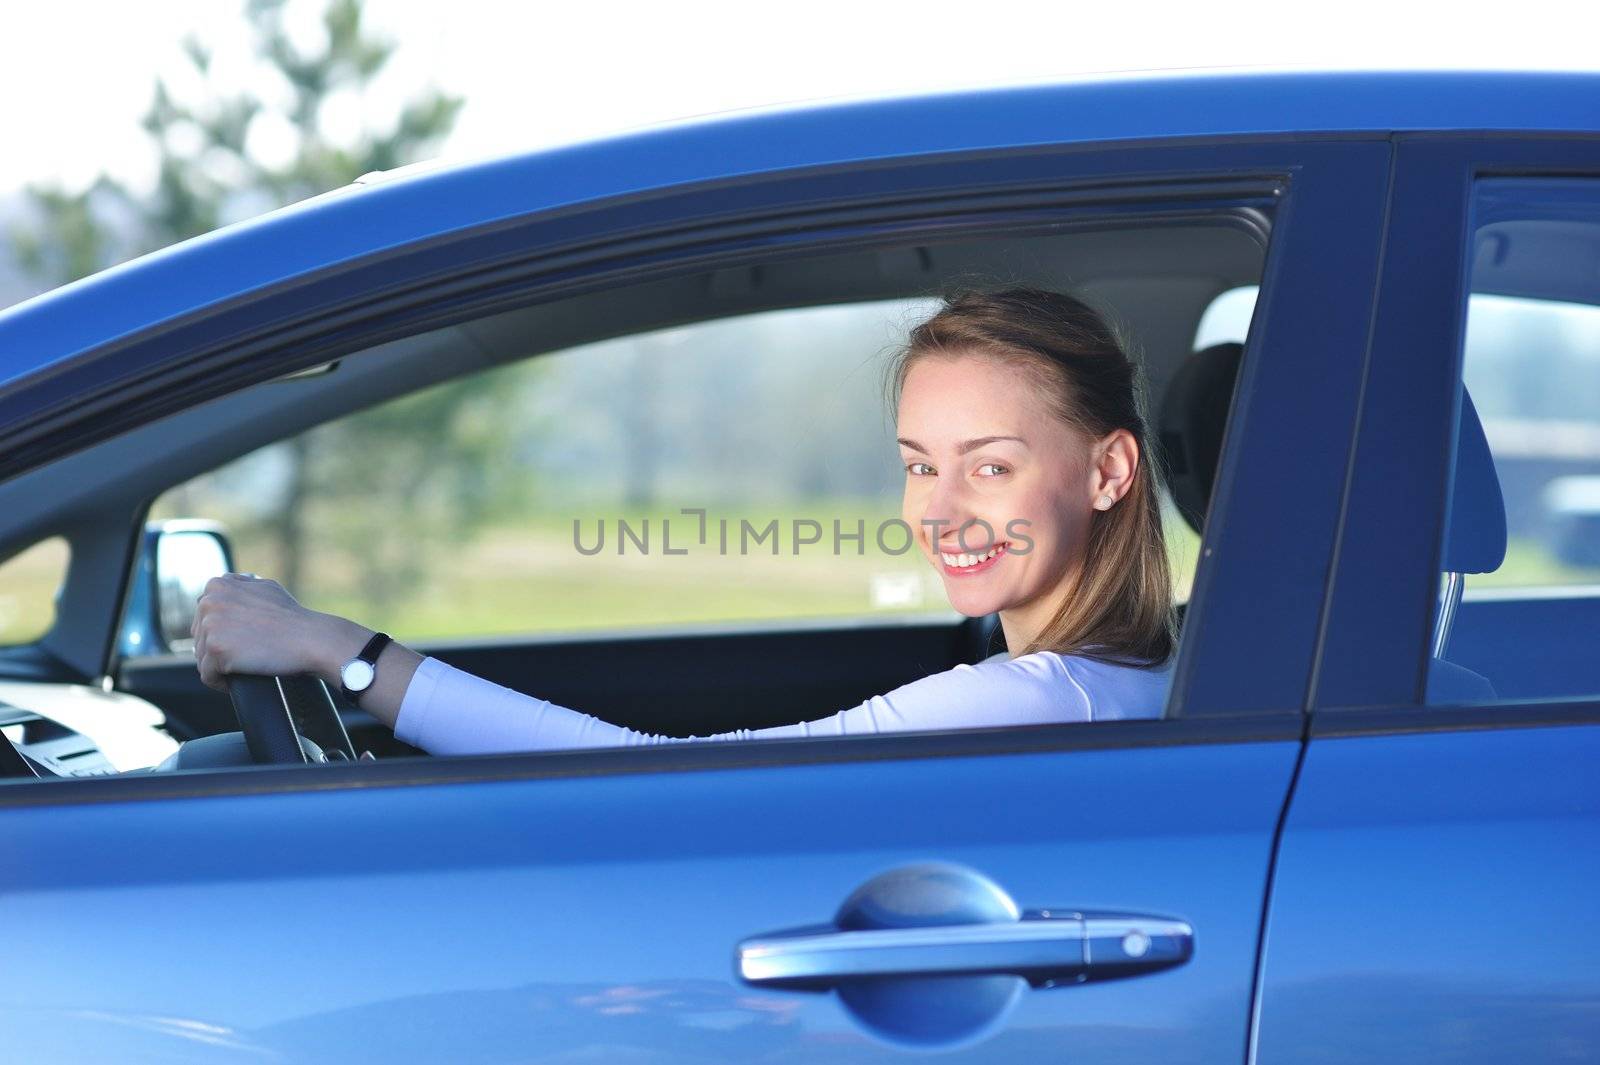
370 216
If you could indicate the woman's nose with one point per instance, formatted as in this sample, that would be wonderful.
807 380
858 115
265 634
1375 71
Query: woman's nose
947 511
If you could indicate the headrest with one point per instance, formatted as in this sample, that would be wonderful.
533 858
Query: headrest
1194 413
1475 541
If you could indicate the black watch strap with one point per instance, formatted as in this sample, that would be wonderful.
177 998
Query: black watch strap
369 654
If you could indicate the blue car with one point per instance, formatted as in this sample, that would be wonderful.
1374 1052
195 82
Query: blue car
522 413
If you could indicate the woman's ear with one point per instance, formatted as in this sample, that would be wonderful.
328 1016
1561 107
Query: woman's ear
1117 461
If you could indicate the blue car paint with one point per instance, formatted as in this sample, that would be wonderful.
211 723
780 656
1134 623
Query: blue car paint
1434 900
1253 630
547 920
1413 370
1434 889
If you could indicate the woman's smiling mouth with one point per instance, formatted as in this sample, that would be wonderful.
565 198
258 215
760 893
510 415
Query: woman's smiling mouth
968 563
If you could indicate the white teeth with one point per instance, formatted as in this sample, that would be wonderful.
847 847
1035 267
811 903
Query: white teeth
962 561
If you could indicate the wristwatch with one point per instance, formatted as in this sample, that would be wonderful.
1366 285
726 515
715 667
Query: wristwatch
357 675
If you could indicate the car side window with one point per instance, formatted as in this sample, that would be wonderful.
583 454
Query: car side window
1520 595
734 470
737 471
1227 318
29 581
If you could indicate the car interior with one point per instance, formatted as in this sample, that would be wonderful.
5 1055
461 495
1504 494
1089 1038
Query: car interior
1155 275
1522 644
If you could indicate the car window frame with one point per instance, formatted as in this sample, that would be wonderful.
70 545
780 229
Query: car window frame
309 320
1240 693
1372 669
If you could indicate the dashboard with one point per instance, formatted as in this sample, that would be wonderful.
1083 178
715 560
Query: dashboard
75 730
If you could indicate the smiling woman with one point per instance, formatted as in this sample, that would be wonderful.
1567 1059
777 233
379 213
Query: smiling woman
1017 410
1034 405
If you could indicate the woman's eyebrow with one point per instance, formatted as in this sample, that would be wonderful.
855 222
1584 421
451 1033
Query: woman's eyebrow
963 447
973 445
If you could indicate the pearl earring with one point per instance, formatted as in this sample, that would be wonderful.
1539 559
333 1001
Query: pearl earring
1103 503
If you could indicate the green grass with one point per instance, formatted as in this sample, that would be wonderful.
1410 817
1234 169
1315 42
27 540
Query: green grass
529 577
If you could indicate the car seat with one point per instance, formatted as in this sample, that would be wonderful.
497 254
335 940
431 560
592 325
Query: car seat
1194 415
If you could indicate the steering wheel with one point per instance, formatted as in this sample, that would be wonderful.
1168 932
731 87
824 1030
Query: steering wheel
289 720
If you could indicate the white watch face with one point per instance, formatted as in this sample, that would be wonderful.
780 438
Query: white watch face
356 675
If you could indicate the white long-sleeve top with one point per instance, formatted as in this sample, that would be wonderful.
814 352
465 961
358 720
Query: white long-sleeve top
446 711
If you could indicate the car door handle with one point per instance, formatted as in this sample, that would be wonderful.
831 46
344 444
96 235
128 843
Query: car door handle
1045 947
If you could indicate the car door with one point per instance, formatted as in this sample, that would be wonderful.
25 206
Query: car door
1434 893
641 904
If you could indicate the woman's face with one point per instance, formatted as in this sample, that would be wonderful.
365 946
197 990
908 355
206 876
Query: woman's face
983 452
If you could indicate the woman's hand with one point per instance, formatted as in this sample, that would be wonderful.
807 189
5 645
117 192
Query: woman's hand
245 624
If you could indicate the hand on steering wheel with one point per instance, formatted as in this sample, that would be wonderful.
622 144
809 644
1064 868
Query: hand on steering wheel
253 640
277 713
248 624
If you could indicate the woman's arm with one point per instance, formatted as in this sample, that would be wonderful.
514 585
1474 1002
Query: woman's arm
448 711
249 625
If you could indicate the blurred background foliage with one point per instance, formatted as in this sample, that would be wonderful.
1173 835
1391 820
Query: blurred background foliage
208 176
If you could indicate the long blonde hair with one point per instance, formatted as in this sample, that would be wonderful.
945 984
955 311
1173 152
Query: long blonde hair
1120 609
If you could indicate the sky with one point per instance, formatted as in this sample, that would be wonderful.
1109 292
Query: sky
77 74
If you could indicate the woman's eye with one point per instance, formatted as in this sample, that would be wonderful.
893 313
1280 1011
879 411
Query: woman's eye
992 469
918 469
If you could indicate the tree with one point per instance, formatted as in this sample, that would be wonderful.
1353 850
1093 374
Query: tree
207 176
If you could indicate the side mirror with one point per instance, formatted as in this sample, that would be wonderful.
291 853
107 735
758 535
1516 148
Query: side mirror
176 559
